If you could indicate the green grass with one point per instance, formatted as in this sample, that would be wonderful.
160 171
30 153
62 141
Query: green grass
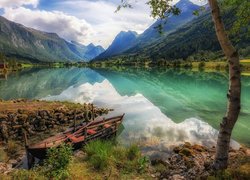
103 160
133 152
99 154
107 160
103 155
27 174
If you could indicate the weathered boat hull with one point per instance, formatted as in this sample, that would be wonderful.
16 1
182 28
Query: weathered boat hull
79 138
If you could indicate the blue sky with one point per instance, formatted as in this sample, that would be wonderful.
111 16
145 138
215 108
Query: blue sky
84 21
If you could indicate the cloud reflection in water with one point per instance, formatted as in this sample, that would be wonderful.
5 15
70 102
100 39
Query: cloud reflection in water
143 121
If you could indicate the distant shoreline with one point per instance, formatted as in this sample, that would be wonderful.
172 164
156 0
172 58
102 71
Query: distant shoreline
194 65
207 66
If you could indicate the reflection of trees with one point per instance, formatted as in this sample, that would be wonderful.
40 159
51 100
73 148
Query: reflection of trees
173 91
181 94
157 73
38 83
170 83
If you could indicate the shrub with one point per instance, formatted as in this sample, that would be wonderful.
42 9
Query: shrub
57 162
143 163
201 65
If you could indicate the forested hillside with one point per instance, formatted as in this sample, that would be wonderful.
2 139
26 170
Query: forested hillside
27 44
195 40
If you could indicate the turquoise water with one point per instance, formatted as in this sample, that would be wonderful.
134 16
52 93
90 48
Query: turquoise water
173 106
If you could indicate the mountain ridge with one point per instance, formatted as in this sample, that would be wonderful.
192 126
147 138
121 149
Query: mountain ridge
28 44
172 22
151 34
121 43
194 40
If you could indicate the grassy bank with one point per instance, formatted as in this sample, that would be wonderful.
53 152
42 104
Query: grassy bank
207 66
108 160
220 65
97 160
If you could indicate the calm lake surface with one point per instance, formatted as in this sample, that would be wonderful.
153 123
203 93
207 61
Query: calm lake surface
166 106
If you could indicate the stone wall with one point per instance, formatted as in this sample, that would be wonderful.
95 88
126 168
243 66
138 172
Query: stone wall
14 124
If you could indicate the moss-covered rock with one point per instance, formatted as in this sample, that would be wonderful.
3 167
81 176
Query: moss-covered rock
186 152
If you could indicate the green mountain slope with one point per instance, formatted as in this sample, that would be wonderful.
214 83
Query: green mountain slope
195 40
152 34
129 40
32 45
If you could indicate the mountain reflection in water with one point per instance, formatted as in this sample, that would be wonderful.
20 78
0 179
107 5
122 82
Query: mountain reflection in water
161 106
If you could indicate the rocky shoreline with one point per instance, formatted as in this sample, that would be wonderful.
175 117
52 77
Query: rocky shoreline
195 162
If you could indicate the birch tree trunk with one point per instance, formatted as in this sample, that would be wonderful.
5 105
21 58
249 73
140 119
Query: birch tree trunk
234 92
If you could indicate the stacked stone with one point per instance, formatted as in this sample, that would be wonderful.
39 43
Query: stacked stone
13 124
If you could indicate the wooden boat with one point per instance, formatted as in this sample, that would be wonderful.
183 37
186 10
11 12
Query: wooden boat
82 134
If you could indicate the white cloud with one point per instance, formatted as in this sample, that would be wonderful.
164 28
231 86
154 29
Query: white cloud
82 20
107 24
18 3
66 26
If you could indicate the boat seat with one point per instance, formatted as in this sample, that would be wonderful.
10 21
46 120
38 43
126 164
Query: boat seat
107 125
91 131
76 139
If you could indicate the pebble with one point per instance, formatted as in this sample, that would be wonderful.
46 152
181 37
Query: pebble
157 174
13 162
80 154
153 176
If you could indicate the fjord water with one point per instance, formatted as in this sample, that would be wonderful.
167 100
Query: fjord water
167 106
